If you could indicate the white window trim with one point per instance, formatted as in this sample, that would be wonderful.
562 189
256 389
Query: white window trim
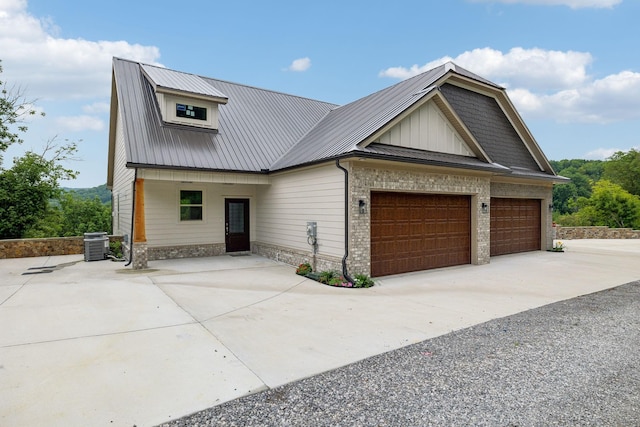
180 205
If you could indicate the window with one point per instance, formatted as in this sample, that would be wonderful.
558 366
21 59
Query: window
191 112
190 205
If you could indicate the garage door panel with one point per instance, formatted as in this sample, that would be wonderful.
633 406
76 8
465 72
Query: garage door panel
515 225
428 231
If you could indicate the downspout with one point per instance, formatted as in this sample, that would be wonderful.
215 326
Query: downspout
345 274
133 221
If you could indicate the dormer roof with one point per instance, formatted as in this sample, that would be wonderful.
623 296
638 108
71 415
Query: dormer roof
170 81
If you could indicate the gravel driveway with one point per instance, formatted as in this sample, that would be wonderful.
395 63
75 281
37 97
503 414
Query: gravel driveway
575 362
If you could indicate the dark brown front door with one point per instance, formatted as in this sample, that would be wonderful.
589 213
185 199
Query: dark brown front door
236 213
412 232
515 225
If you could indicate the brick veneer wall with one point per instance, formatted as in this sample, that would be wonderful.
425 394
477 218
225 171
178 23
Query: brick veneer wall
364 179
544 193
570 233
24 248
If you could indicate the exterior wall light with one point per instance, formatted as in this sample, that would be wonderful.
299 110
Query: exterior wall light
485 208
362 206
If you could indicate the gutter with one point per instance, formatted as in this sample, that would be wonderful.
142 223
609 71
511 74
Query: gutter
133 213
345 273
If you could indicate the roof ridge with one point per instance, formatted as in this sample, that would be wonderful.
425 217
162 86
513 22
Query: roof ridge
229 82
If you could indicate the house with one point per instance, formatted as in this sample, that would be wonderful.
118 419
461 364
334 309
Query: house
437 170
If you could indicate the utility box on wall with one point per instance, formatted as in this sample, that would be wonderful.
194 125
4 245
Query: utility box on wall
96 246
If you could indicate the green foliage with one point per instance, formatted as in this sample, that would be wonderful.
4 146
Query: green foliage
304 269
27 188
115 248
72 216
100 191
362 281
624 169
583 173
610 205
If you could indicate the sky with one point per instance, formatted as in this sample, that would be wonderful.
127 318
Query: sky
571 67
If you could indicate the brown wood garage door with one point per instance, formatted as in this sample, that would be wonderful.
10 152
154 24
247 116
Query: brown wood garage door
412 232
515 225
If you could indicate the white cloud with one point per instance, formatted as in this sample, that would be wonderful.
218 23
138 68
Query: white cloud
301 64
613 98
50 67
601 153
540 68
97 108
549 84
80 123
573 4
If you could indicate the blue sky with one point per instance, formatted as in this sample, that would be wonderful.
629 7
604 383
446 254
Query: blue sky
571 67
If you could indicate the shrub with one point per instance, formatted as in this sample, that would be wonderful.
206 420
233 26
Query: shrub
362 281
304 269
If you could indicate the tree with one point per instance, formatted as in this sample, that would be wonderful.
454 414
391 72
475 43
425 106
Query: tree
583 174
13 110
26 188
72 215
624 169
609 205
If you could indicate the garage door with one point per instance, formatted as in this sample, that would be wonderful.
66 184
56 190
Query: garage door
515 225
412 232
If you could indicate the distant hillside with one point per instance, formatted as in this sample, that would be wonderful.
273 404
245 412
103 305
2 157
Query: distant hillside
89 193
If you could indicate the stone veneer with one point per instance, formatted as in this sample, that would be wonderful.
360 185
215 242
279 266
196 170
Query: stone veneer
296 257
50 246
185 251
570 233
140 256
365 179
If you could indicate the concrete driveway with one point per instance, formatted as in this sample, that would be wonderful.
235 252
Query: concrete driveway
99 344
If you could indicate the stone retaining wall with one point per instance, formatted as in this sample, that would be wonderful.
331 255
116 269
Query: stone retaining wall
570 233
23 248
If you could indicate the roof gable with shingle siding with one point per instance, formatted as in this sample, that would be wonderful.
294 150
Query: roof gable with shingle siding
491 128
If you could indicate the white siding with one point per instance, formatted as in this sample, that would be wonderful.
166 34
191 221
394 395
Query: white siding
162 212
427 129
293 199
122 189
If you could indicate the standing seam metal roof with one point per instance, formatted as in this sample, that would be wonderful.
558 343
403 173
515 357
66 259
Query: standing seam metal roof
265 130
255 126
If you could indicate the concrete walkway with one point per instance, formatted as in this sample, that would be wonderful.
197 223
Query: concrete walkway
99 344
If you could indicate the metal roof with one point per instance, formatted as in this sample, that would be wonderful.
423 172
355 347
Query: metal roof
164 78
262 130
255 126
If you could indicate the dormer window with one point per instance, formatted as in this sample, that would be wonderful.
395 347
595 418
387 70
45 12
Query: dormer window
191 112
185 99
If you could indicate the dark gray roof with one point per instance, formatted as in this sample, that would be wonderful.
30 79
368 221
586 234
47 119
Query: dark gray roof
412 155
263 130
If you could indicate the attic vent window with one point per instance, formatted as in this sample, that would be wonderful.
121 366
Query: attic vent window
191 112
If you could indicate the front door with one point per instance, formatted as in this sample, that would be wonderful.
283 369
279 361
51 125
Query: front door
236 213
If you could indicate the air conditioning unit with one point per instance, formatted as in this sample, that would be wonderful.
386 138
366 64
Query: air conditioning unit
96 246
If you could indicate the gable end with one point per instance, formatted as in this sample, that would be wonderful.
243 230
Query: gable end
490 127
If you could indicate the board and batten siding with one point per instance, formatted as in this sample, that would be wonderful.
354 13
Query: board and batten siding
122 189
162 213
427 129
297 197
